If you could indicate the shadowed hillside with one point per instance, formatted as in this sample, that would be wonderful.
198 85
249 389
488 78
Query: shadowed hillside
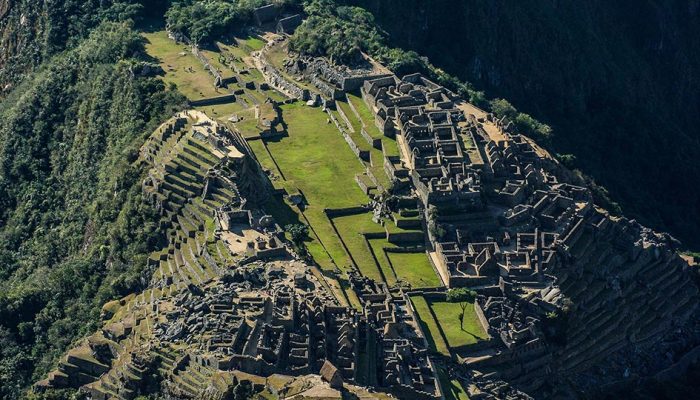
618 81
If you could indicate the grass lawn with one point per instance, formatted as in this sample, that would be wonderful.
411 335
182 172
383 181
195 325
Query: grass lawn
214 60
307 164
351 228
180 66
414 268
263 156
376 155
276 55
316 157
248 125
253 42
235 53
222 112
429 326
390 147
366 116
447 315
378 246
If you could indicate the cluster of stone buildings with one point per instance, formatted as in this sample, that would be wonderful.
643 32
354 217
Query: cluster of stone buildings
515 226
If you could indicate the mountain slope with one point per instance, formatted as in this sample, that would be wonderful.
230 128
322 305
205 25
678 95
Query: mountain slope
618 81
73 228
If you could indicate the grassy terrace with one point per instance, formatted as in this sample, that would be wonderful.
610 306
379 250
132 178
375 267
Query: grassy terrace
430 328
376 155
452 389
447 315
442 325
215 60
253 43
306 164
222 112
414 268
180 66
351 229
276 56
365 115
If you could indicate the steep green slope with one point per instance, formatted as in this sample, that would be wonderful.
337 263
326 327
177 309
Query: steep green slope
74 231
33 30
618 81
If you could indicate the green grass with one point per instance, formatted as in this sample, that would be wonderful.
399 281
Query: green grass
442 326
262 155
180 66
316 157
414 268
366 115
213 58
274 95
248 125
376 155
390 147
222 112
452 389
351 228
308 163
378 246
447 315
254 43
429 326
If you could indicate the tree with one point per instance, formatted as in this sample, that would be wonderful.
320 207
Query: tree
299 233
463 296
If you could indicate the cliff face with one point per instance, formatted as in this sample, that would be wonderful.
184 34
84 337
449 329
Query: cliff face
617 80
21 31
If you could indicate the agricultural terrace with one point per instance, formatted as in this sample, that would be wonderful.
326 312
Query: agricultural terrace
374 261
181 67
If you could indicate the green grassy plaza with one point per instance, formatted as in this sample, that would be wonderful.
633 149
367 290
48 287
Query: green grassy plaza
442 326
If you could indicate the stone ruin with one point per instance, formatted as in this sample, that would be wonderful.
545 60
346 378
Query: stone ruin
572 299
561 283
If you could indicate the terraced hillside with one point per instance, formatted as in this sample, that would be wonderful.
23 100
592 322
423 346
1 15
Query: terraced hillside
329 229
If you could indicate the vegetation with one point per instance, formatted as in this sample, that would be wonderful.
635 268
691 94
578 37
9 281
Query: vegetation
443 319
452 389
414 268
181 67
33 32
204 21
303 160
461 327
463 296
74 232
429 326
343 32
523 122
298 232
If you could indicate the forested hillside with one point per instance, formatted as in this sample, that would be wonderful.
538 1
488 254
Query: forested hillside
74 232
618 81
31 31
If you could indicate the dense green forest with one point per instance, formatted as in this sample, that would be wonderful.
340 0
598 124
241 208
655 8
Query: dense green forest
74 231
